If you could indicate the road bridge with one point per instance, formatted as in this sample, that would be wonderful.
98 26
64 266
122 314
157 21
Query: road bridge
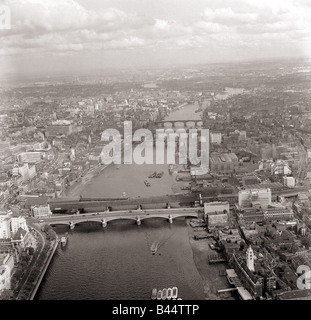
104 217
179 123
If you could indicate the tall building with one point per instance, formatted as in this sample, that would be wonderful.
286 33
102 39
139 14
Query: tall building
255 197
215 137
250 259
6 267
5 228
9 225
40 211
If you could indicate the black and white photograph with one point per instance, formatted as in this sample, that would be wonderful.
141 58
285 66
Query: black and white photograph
155 151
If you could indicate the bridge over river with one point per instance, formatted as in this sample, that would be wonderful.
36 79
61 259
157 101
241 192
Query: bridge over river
180 123
104 217
91 205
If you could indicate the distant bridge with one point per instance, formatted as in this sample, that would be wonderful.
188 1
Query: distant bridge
180 123
104 217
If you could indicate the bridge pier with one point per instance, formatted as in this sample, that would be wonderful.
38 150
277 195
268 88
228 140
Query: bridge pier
71 225
138 221
170 219
104 223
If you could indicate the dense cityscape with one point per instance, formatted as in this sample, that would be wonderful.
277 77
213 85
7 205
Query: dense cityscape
255 196
239 229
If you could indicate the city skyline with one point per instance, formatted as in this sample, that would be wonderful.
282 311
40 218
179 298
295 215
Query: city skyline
80 36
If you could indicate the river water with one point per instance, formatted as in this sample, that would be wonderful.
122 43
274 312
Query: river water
116 263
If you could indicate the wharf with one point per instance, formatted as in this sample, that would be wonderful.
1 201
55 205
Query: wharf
216 258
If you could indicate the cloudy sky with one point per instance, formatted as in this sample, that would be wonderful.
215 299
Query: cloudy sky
82 35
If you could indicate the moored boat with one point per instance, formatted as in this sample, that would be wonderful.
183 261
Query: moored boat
169 293
159 295
63 240
152 175
154 294
175 293
159 175
164 294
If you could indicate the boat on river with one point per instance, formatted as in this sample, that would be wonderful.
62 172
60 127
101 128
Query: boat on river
154 248
64 239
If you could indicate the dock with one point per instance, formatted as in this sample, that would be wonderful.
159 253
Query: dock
227 290
216 258
234 280
203 236
200 236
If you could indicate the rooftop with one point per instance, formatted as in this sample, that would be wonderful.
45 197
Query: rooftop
223 157
20 233
35 201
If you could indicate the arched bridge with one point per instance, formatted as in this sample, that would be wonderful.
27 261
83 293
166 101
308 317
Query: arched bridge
105 217
180 123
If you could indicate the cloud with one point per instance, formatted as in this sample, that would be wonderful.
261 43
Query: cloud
40 16
63 26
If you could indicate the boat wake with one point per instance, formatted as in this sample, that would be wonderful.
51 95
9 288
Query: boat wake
154 247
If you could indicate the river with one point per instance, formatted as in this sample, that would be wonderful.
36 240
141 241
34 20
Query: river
116 263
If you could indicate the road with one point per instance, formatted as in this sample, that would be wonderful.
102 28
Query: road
114 215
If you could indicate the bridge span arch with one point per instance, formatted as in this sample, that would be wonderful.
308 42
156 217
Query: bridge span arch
104 217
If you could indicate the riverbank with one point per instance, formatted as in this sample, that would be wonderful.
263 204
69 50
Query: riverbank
76 189
210 273
43 271
38 266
